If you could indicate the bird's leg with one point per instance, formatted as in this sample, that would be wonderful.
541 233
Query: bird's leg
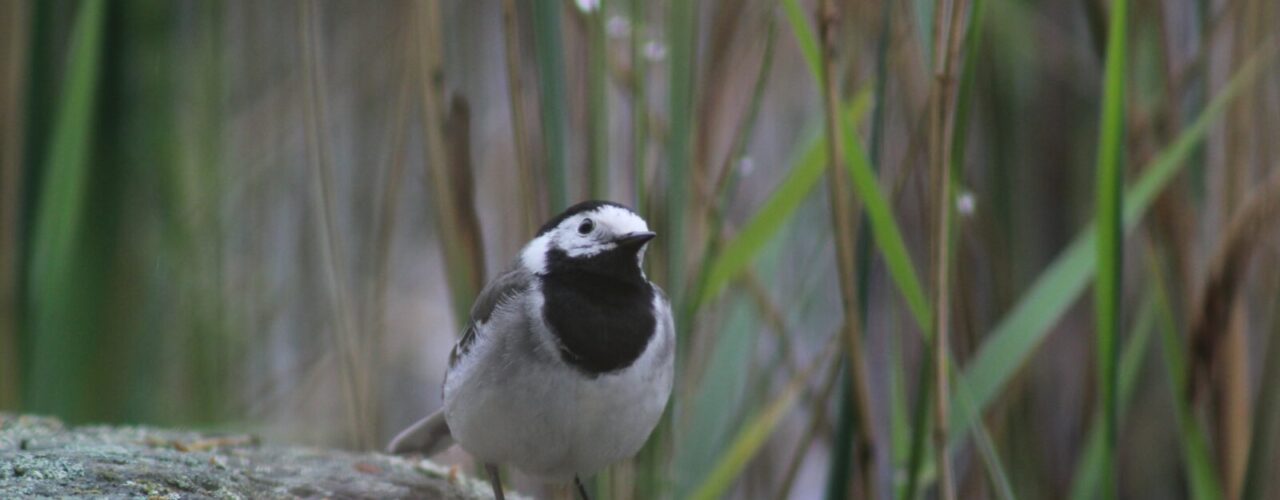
581 489
494 481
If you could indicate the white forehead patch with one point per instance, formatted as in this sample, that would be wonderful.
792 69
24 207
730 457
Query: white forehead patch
619 220
610 222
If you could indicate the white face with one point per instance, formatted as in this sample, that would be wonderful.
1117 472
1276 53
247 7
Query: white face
583 235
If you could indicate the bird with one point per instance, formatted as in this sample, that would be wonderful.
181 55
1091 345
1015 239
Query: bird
566 362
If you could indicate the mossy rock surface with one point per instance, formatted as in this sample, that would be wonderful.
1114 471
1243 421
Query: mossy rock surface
41 457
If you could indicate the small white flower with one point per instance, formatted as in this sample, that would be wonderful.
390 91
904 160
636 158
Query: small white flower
746 165
588 5
617 27
966 204
655 51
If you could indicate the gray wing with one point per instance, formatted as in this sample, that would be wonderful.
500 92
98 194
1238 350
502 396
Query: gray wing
511 283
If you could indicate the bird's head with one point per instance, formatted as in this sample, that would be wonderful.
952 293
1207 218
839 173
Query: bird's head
597 237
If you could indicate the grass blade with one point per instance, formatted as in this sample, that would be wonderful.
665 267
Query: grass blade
1089 471
1012 342
888 235
1202 475
805 37
1110 251
57 379
682 36
549 56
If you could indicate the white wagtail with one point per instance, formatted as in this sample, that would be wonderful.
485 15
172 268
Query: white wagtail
566 363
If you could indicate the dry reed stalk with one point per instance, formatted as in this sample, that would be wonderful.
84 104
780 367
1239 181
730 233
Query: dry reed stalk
1217 317
385 224
532 200
353 373
817 421
942 127
842 217
1230 396
448 176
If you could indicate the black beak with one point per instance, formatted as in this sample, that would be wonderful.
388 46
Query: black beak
635 240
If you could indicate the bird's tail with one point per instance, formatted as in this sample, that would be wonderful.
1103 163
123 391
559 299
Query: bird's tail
427 436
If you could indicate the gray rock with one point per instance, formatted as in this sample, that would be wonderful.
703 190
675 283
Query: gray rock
40 457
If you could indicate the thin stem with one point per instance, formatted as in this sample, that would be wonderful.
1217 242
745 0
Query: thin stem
817 420
714 197
842 221
639 106
350 368
940 147
598 103
462 264
385 224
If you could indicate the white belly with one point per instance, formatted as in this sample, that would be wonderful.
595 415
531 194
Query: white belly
513 402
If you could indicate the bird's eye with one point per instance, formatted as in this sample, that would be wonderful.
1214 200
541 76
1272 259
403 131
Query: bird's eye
586 227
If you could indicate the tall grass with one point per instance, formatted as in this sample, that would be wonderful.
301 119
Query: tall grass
952 135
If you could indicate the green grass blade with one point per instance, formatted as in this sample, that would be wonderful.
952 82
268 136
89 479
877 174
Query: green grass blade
806 169
1110 250
1088 475
806 38
549 56
1012 342
888 237
58 377
751 438
1196 455
682 38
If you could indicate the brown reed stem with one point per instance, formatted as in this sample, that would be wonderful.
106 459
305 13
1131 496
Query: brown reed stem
940 144
532 200
842 220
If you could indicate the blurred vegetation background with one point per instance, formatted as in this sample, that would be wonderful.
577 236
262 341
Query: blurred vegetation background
918 248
